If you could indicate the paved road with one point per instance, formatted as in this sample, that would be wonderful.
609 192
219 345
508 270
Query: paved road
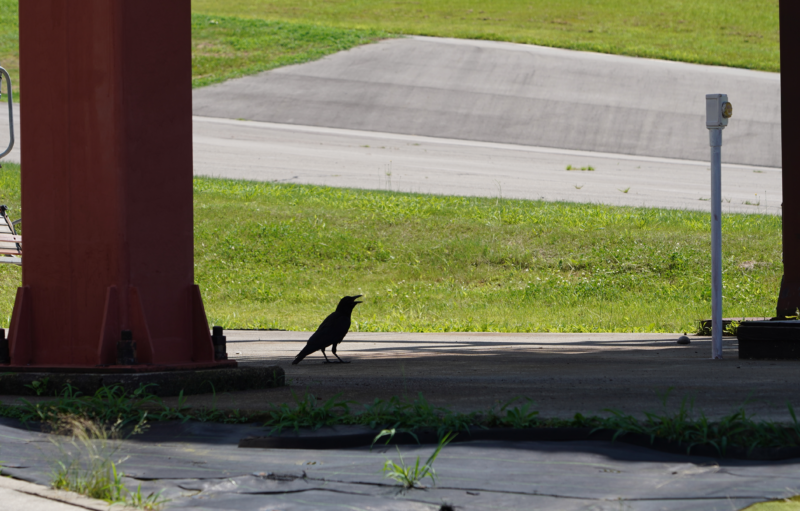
482 118
291 153
362 159
513 93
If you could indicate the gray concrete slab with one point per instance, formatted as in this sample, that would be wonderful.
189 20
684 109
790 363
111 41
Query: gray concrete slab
513 93
16 494
562 373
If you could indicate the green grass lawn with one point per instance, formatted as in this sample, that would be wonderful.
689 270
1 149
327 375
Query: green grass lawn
285 254
229 47
739 33
280 256
232 38
9 44
224 47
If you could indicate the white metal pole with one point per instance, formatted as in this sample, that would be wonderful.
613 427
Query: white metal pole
715 140
718 111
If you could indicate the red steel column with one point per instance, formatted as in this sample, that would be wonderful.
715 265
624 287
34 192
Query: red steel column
789 298
107 186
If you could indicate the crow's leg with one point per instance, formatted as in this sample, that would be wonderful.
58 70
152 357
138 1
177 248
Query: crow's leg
326 357
337 356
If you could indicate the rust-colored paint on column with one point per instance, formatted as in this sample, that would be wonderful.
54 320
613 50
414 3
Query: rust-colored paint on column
789 298
107 185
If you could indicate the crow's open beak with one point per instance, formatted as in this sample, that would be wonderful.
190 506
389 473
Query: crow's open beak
355 299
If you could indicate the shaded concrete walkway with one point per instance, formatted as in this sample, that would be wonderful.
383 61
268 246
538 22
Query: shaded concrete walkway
562 373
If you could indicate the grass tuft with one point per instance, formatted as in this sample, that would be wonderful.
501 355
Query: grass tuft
113 405
87 463
411 476
307 413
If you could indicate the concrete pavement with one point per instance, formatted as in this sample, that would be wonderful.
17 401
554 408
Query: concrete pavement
291 153
361 159
562 373
21 495
513 93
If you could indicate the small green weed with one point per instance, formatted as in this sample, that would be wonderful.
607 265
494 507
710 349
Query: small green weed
109 405
410 476
87 463
517 417
306 413
736 429
396 414
113 404
39 387
682 426
151 501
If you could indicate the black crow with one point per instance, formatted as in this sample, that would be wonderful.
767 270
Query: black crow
331 331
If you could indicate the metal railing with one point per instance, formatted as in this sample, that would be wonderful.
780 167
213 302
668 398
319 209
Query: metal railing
3 73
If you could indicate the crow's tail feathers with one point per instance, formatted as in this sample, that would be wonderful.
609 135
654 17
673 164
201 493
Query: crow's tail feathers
303 354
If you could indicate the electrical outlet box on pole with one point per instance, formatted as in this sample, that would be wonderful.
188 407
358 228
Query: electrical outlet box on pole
718 111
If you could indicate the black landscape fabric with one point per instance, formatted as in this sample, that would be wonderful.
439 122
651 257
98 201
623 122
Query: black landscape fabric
199 466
